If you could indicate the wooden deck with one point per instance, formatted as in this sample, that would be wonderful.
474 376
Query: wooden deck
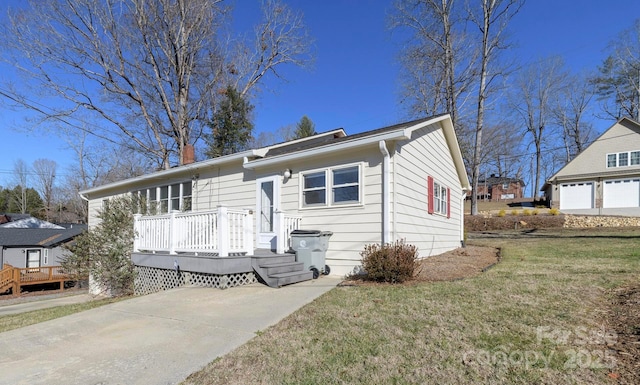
14 278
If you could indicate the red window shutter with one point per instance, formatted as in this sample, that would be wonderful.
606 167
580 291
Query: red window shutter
448 203
430 195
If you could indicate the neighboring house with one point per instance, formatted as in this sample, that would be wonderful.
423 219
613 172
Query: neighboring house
499 188
31 242
604 178
406 181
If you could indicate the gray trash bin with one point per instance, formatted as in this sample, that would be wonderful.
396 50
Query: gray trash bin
311 249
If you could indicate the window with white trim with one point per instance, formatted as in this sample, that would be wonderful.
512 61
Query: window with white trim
346 185
314 189
45 259
333 186
164 199
623 159
438 199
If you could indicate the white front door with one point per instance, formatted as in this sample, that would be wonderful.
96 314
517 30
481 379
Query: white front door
33 258
268 201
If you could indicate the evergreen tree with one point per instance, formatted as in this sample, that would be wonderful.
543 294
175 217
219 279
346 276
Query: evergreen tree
104 252
304 128
231 126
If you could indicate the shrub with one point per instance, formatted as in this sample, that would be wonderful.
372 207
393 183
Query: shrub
104 252
394 263
554 211
514 212
502 213
535 212
526 212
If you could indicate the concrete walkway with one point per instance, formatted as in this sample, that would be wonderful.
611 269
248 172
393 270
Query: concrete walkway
155 339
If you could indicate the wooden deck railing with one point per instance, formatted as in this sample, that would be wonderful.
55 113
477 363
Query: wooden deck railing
15 277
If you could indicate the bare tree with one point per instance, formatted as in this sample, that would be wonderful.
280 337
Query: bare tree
45 174
280 39
20 180
618 84
95 165
149 70
491 19
532 103
438 61
570 107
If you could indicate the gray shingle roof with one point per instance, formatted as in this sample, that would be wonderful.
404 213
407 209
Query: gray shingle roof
329 139
38 237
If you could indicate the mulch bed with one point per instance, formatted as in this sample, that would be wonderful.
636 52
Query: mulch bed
623 317
461 263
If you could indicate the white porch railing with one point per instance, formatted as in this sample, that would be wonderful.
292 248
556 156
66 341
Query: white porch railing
222 231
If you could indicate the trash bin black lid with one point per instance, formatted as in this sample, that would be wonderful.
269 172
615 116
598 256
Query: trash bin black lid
306 232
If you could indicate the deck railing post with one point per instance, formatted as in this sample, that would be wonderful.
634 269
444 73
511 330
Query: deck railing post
173 235
279 227
136 232
247 229
223 232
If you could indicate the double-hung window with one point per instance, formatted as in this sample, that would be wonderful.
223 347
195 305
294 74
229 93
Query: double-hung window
314 190
331 187
346 185
438 198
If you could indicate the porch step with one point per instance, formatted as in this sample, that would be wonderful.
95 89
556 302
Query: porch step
284 267
279 270
292 277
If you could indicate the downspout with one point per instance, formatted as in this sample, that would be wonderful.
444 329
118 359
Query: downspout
462 235
386 191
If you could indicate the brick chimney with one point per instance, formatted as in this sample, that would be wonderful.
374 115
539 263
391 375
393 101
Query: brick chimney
188 154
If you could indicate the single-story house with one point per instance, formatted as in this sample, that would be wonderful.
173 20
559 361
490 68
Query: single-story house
206 220
604 178
500 188
30 242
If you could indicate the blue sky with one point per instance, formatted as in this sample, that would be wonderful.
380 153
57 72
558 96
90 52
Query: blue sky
353 83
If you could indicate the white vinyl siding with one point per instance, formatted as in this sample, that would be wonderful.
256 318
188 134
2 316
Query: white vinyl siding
432 234
353 225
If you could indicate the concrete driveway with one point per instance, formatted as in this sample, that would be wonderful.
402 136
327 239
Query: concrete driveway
155 339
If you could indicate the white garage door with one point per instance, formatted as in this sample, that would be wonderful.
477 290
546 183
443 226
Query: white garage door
621 193
576 196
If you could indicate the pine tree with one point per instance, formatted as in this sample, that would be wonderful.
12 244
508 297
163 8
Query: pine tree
231 126
304 128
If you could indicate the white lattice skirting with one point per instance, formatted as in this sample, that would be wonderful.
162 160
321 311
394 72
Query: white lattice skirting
152 280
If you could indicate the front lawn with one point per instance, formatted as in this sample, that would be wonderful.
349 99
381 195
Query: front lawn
539 316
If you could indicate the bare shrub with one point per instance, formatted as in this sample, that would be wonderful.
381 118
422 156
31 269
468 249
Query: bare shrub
394 263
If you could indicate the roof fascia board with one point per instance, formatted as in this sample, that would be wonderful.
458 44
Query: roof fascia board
174 171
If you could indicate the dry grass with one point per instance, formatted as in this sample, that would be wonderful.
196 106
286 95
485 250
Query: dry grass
484 329
15 321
